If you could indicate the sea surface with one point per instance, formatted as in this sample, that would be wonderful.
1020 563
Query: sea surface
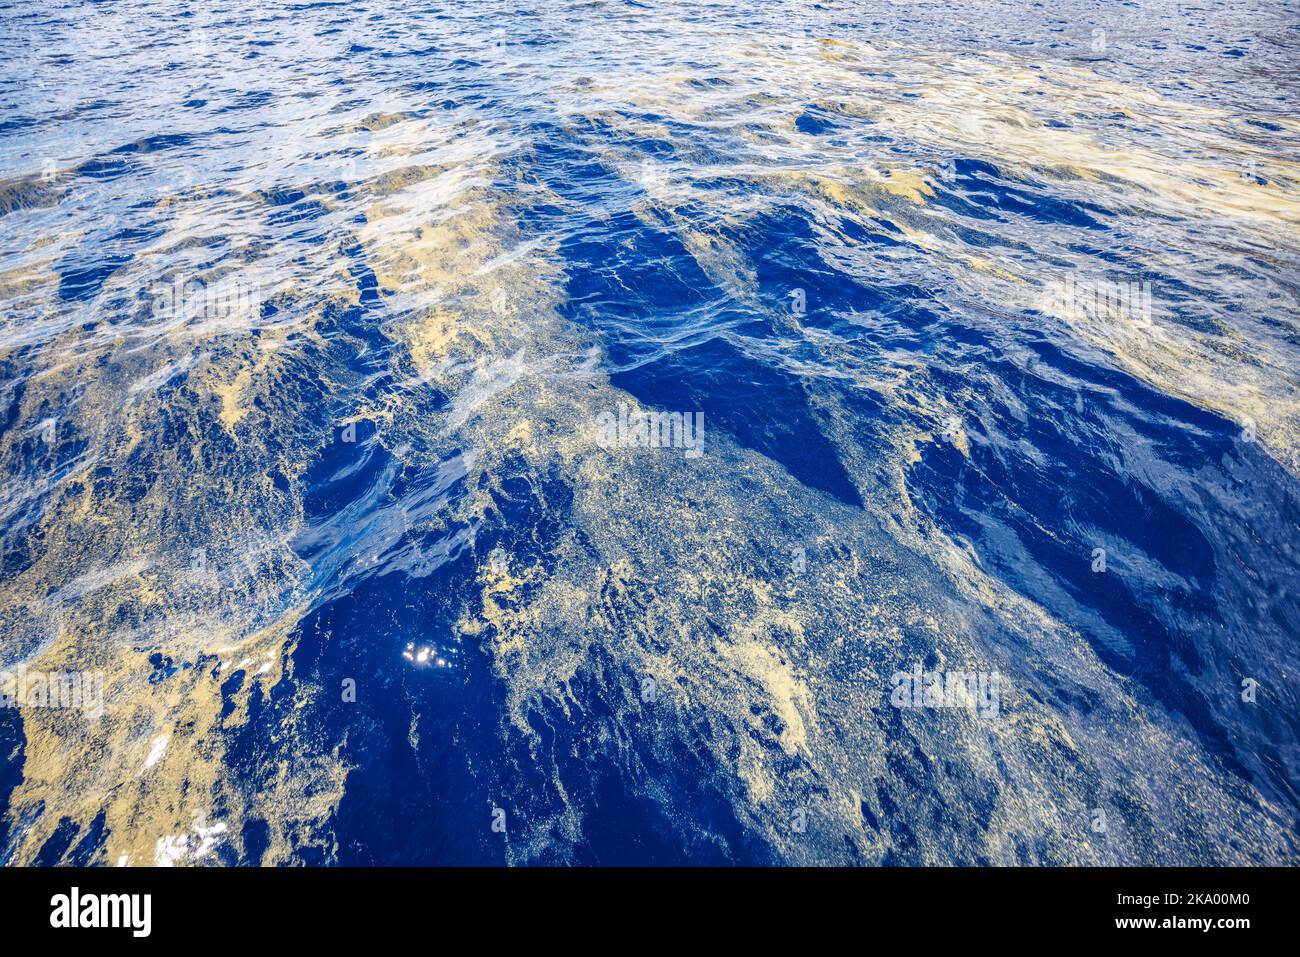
327 335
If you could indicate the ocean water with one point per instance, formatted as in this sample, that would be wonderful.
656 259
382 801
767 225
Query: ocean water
328 331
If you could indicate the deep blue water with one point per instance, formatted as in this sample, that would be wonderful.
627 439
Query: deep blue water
315 317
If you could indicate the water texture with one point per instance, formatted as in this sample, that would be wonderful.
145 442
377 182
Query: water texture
326 328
